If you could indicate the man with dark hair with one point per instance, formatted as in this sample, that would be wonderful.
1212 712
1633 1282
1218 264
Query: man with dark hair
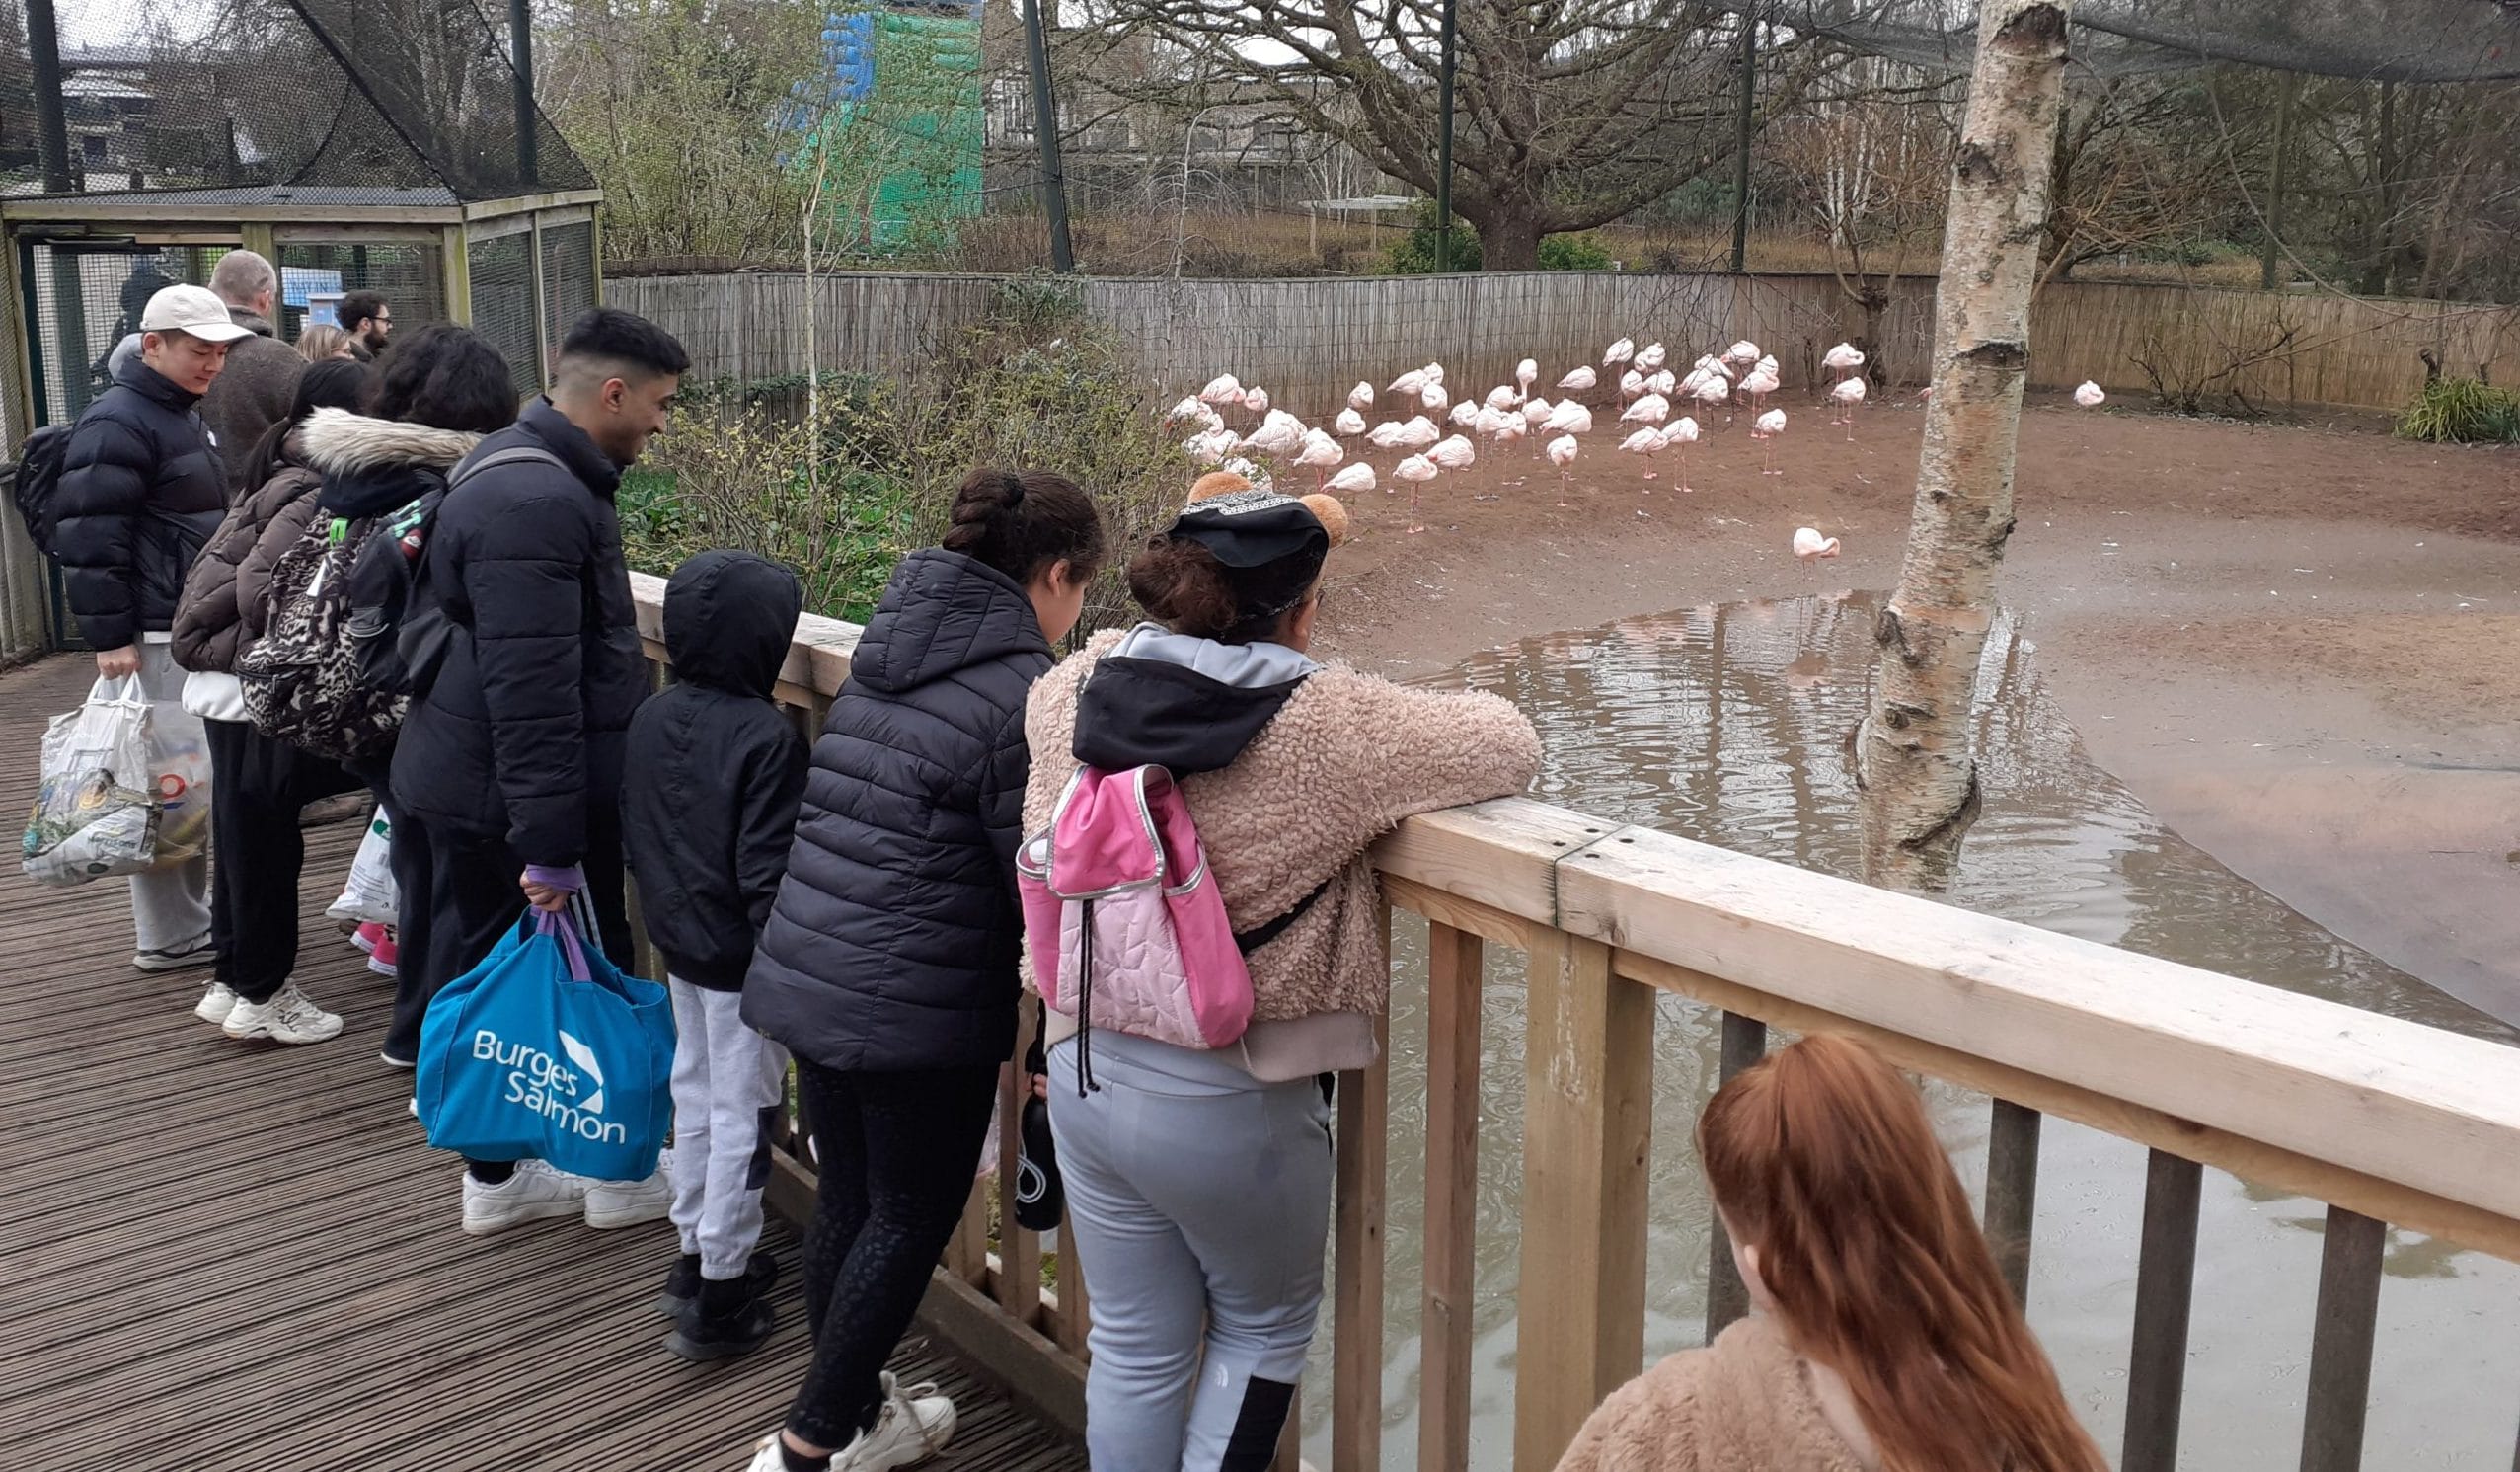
260 378
368 319
141 490
508 775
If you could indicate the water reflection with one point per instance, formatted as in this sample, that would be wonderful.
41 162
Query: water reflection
1727 724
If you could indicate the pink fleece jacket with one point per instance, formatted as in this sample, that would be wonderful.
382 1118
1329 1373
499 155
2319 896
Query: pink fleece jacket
1344 761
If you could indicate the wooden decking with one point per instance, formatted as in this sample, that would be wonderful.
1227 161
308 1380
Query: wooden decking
233 1258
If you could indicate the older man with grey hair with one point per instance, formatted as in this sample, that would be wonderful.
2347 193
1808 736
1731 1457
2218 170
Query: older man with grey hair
254 392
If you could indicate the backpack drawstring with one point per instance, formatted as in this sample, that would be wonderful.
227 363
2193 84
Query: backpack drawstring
1085 1003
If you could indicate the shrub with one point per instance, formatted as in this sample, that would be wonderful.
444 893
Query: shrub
1583 252
2466 410
1413 253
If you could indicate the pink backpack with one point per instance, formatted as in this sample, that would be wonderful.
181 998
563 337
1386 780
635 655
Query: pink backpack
1125 926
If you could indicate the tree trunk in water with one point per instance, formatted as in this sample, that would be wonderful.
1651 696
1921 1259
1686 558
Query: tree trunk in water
1913 750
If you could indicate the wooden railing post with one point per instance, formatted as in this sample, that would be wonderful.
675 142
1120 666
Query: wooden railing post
1587 1120
2165 1288
1356 1354
1745 1042
2012 1191
2339 1391
1454 973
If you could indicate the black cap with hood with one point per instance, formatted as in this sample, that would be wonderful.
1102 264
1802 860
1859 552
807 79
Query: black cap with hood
730 617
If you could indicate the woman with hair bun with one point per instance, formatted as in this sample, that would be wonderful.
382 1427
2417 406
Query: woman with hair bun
1198 1181
888 963
1885 1338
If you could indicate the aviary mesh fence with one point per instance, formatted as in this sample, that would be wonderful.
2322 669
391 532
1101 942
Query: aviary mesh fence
503 273
371 101
568 278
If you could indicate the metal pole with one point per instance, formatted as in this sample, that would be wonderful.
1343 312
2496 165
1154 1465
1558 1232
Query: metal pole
2274 249
520 42
1742 106
1444 146
1045 129
52 128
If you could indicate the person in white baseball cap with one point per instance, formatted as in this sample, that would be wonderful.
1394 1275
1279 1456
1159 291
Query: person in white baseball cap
142 489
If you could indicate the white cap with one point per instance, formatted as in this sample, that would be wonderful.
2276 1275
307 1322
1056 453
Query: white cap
194 311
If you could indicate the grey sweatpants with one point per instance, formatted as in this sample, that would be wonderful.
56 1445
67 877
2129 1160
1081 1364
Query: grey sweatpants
729 1083
170 907
1199 1199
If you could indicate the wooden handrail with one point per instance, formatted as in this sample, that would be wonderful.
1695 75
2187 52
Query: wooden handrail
2387 1121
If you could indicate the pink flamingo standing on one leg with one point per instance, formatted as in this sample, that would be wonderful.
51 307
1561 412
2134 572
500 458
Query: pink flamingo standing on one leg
1561 453
1849 396
1766 429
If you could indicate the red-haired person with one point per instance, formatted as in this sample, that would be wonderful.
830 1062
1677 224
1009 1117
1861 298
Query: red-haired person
1883 1338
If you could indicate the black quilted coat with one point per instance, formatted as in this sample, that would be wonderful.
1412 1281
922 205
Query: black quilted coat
520 736
141 490
894 938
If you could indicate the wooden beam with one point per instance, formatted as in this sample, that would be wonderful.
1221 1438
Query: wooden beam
2393 1100
1587 1120
492 209
1503 854
1012 1357
81 217
2012 1191
1745 1044
1455 973
2338 1392
2250 1159
1357 1222
2164 1292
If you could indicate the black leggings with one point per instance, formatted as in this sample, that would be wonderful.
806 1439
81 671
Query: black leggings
894 1155
258 785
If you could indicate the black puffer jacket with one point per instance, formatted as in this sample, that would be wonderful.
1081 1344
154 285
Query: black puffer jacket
714 771
895 940
141 490
520 736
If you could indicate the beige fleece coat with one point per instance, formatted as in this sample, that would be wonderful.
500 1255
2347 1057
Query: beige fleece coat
1742 1404
1344 761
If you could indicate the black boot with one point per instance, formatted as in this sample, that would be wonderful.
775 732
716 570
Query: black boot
682 1286
729 1317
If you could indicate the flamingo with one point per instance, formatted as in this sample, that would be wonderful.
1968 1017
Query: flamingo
1767 362
1434 374
1434 398
1714 364
1810 547
1561 453
1526 373
1256 401
1716 389
1388 434
1467 411
2089 395
1351 479
1618 352
1222 389
1362 397
1764 428
1757 384
1649 357
1349 422
1744 352
1409 384
1652 409
1661 382
1568 418
1417 470
1503 395
1630 384
1211 448
1648 442
1578 381
1279 434
1684 432
1418 432
1320 453
1454 453
1185 411
1848 395
1842 358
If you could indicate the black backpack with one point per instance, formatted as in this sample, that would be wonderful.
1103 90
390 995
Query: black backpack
39 474
399 636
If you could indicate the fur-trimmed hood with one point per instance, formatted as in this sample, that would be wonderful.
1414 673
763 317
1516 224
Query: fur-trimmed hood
337 440
373 466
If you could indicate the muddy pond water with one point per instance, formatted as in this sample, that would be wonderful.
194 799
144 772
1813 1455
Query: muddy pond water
1725 724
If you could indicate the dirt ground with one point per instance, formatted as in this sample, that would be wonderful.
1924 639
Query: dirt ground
2295 643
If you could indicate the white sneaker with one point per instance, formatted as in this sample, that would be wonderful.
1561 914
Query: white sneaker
628 1204
534 1192
913 1426
766 1456
217 1003
289 1017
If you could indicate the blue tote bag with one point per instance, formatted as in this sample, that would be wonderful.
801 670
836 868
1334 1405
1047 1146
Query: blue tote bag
547 1051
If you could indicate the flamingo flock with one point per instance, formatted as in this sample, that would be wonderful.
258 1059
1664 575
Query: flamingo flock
1421 407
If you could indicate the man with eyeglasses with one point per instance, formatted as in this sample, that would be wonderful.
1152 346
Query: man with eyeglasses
370 319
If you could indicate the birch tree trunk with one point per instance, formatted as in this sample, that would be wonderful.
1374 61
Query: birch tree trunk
1912 751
